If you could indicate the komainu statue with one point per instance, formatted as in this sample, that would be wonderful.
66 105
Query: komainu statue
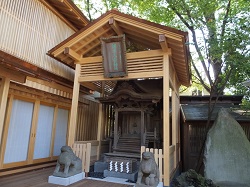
68 164
148 174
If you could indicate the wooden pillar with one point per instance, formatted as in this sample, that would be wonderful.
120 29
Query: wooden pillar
166 119
179 128
148 122
142 128
100 124
74 106
100 129
174 125
4 90
116 128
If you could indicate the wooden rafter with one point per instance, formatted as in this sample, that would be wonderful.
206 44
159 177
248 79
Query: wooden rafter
72 54
115 26
91 39
163 42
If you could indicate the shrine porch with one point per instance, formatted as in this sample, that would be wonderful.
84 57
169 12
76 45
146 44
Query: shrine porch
39 178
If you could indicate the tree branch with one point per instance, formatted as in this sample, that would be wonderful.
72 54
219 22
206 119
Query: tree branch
88 10
191 28
180 16
201 57
199 76
223 27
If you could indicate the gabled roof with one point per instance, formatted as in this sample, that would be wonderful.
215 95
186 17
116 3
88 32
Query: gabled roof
141 35
68 12
131 94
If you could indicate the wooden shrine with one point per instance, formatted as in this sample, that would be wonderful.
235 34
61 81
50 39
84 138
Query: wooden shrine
134 107
153 53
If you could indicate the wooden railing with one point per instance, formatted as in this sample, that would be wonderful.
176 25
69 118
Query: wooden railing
158 158
83 151
139 64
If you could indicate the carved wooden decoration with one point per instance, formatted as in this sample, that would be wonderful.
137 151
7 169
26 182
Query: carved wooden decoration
114 56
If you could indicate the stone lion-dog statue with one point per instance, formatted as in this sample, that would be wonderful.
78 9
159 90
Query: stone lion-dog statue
68 164
148 174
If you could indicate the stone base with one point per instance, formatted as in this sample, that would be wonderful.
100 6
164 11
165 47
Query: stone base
66 181
130 176
100 166
160 184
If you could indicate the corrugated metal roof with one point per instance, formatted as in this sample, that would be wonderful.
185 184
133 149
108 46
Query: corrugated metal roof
199 112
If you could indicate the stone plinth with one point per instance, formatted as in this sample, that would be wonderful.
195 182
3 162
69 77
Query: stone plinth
130 176
160 184
66 181
100 166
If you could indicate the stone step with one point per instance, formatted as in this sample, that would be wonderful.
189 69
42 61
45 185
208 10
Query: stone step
126 150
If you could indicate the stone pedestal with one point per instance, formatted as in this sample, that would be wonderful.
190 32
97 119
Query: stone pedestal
130 176
66 181
160 184
100 166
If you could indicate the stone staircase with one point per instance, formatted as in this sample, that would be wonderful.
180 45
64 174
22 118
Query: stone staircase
128 144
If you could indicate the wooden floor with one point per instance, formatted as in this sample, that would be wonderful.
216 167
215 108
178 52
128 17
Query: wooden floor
39 178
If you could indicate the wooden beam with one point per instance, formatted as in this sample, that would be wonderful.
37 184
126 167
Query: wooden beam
91 86
166 128
86 32
116 128
72 54
142 128
51 84
163 43
12 74
100 123
4 89
28 69
132 55
174 124
33 131
115 26
99 33
74 107
130 76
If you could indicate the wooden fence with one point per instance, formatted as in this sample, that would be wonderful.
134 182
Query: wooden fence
158 158
83 151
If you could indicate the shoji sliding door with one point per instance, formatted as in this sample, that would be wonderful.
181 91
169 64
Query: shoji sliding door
44 132
34 132
18 138
61 130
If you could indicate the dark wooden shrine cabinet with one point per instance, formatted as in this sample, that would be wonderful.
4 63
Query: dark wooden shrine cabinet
137 106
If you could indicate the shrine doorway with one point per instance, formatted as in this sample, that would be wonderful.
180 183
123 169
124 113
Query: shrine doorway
130 123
